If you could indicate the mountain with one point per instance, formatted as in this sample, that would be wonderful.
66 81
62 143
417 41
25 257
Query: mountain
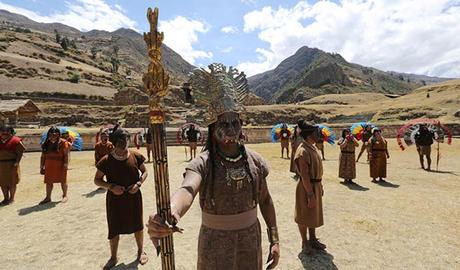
312 72
131 46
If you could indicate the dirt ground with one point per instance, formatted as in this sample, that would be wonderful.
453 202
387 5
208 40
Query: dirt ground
412 222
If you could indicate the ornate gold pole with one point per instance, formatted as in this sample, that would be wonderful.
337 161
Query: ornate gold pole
156 82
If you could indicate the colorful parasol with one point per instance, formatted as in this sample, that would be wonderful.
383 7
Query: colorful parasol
357 129
181 134
327 133
73 137
406 134
276 131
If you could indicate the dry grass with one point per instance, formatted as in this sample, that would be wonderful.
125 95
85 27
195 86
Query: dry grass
411 225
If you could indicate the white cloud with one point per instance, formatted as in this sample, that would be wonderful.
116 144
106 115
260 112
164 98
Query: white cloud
181 34
84 15
229 29
418 37
227 50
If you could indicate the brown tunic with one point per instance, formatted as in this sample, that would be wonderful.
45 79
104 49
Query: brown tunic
54 163
124 212
10 175
378 161
294 144
236 249
347 164
102 149
310 217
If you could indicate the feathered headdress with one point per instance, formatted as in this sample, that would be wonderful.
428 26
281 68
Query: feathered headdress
219 89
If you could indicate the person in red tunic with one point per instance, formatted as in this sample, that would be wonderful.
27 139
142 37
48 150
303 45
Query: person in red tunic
11 150
124 199
54 163
104 147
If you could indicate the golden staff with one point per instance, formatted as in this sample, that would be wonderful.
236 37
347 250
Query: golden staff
156 82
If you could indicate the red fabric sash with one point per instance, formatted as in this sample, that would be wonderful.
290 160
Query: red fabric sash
11 144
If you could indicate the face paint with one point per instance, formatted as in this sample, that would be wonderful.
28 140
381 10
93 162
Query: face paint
228 129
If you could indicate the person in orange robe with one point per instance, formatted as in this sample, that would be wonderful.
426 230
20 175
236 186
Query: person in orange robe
104 147
54 163
11 150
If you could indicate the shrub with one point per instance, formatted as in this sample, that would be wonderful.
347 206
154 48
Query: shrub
74 78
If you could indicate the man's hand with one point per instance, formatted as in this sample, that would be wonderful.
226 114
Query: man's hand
274 256
134 188
42 171
311 201
117 190
157 228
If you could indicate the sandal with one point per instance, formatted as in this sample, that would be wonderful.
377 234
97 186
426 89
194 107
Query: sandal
110 263
45 201
306 248
316 244
142 258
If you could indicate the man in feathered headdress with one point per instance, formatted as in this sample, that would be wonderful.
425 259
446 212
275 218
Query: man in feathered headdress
230 180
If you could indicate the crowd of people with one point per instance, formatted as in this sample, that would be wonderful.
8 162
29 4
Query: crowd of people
228 177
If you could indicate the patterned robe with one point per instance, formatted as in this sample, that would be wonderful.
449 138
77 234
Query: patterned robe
347 164
237 249
378 150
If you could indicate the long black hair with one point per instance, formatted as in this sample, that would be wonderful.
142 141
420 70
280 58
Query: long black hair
207 186
48 146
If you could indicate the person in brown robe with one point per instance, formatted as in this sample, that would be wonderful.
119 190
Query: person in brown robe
378 155
124 199
104 147
295 142
285 135
54 163
11 150
367 134
231 182
309 191
347 164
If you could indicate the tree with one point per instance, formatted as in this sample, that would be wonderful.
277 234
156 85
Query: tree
93 52
115 63
65 43
73 44
115 50
58 36
115 60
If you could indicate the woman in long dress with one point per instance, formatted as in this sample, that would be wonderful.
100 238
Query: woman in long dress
347 164
378 155
124 199
54 163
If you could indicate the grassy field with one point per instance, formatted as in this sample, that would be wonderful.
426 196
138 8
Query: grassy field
410 223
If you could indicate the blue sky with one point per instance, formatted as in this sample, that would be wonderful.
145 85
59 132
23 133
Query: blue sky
256 35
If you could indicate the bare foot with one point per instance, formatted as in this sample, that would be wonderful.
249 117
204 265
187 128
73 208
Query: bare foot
110 263
142 258
306 248
64 199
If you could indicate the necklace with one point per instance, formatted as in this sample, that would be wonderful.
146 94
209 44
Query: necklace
120 157
229 159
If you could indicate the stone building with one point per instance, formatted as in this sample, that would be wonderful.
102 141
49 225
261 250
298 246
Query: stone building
18 112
